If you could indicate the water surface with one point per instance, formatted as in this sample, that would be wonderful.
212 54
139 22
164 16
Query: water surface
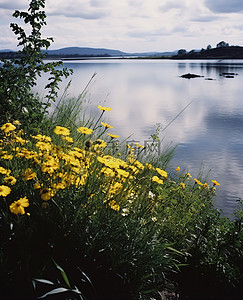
145 92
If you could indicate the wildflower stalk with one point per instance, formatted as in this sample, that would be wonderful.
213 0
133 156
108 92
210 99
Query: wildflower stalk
98 122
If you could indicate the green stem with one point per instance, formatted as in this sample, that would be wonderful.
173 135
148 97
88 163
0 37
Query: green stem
98 120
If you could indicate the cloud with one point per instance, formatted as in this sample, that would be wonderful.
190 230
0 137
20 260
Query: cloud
17 4
205 18
239 27
172 5
136 33
7 38
134 25
225 6
82 14
99 3
91 10
136 3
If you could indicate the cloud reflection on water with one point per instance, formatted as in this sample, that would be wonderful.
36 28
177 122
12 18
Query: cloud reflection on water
143 93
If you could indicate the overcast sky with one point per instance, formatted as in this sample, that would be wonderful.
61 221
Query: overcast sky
133 25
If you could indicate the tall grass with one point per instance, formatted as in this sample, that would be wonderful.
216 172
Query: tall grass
117 217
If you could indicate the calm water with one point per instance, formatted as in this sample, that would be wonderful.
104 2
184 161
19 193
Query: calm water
145 92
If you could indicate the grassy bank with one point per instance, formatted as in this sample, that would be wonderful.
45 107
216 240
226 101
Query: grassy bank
120 228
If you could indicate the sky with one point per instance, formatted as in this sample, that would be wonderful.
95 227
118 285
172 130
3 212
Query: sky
133 25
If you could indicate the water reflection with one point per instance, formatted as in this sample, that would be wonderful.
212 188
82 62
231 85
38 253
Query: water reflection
143 93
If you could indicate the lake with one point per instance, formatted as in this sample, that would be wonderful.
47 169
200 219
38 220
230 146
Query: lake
141 93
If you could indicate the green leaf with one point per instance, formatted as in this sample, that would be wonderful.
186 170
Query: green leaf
174 250
43 281
55 291
64 275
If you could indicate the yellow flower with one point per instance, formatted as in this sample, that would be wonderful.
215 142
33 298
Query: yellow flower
106 125
61 130
81 180
138 164
114 206
28 174
46 193
37 186
138 145
109 161
42 138
59 186
156 179
188 175
67 139
116 187
85 130
205 185
7 156
107 172
4 171
17 207
7 127
4 190
162 172
134 169
16 122
215 182
99 144
113 136
104 108
130 147
122 173
182 185
43 146
20 140
49 167
10 180
178 169
149 166
198 181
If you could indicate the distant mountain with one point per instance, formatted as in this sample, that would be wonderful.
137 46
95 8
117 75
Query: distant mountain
229 52
6 50
83 51
79 52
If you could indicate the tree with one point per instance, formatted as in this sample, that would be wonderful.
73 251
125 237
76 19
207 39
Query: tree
19 75
209 47
222 44
182 52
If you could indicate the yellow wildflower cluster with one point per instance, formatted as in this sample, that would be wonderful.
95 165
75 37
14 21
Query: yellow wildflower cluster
48 169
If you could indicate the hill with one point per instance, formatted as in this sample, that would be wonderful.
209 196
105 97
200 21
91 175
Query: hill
84 52
231 52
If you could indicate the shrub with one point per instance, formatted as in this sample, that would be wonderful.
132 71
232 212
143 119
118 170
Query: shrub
18 76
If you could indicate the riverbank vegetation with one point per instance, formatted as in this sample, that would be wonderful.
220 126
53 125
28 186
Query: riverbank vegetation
84 215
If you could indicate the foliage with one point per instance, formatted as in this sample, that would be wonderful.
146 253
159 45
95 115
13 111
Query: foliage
216 259
72 201
18 76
